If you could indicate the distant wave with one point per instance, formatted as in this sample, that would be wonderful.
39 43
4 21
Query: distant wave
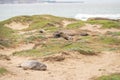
84 17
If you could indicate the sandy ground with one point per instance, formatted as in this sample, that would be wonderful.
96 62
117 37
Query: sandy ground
80 67
17 26
20 48
65 23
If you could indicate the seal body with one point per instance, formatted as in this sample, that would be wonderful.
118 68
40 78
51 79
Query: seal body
33 65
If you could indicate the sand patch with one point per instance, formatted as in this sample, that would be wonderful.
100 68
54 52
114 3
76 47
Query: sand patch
82 68
17 26
65 23
20 48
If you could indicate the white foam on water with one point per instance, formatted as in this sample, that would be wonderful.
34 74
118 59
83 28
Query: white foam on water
84 17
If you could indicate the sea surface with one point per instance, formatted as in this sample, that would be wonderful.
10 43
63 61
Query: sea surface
73 10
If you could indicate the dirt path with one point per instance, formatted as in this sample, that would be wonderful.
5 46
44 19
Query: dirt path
81 68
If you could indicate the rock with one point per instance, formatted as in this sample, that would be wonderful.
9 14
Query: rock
59 34
42 31
65 36
84 34
33 65
70 32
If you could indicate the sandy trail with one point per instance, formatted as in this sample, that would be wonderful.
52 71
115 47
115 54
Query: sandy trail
82 68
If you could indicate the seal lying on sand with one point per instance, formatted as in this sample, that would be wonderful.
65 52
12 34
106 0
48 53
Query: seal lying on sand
33 65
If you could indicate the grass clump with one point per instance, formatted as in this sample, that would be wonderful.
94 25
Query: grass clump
113 33
5 43
106 23
51 29
56 46
52 18
35 21
5 32
42 50
31 52
110 40
116 33
85 51
80 47
31 39
38 25
21 19
75 25
3 71
7 36
56 18
38 21
109 77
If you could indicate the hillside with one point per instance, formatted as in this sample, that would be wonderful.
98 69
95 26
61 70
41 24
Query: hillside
64 44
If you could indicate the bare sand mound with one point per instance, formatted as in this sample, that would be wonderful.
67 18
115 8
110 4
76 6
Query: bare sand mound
17 26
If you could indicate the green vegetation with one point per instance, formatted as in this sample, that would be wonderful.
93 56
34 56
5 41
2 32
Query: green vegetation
49 23
38 25
87 45
116 33
31 52
56 18
32 38
109 77
3 71
38 21
80 47
75 25
5 32
5 43
21 19
106 23
85 51
7 35
110 40
113 33
51 29
56 46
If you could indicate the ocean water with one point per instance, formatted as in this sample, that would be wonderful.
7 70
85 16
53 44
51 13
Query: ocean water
73 10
